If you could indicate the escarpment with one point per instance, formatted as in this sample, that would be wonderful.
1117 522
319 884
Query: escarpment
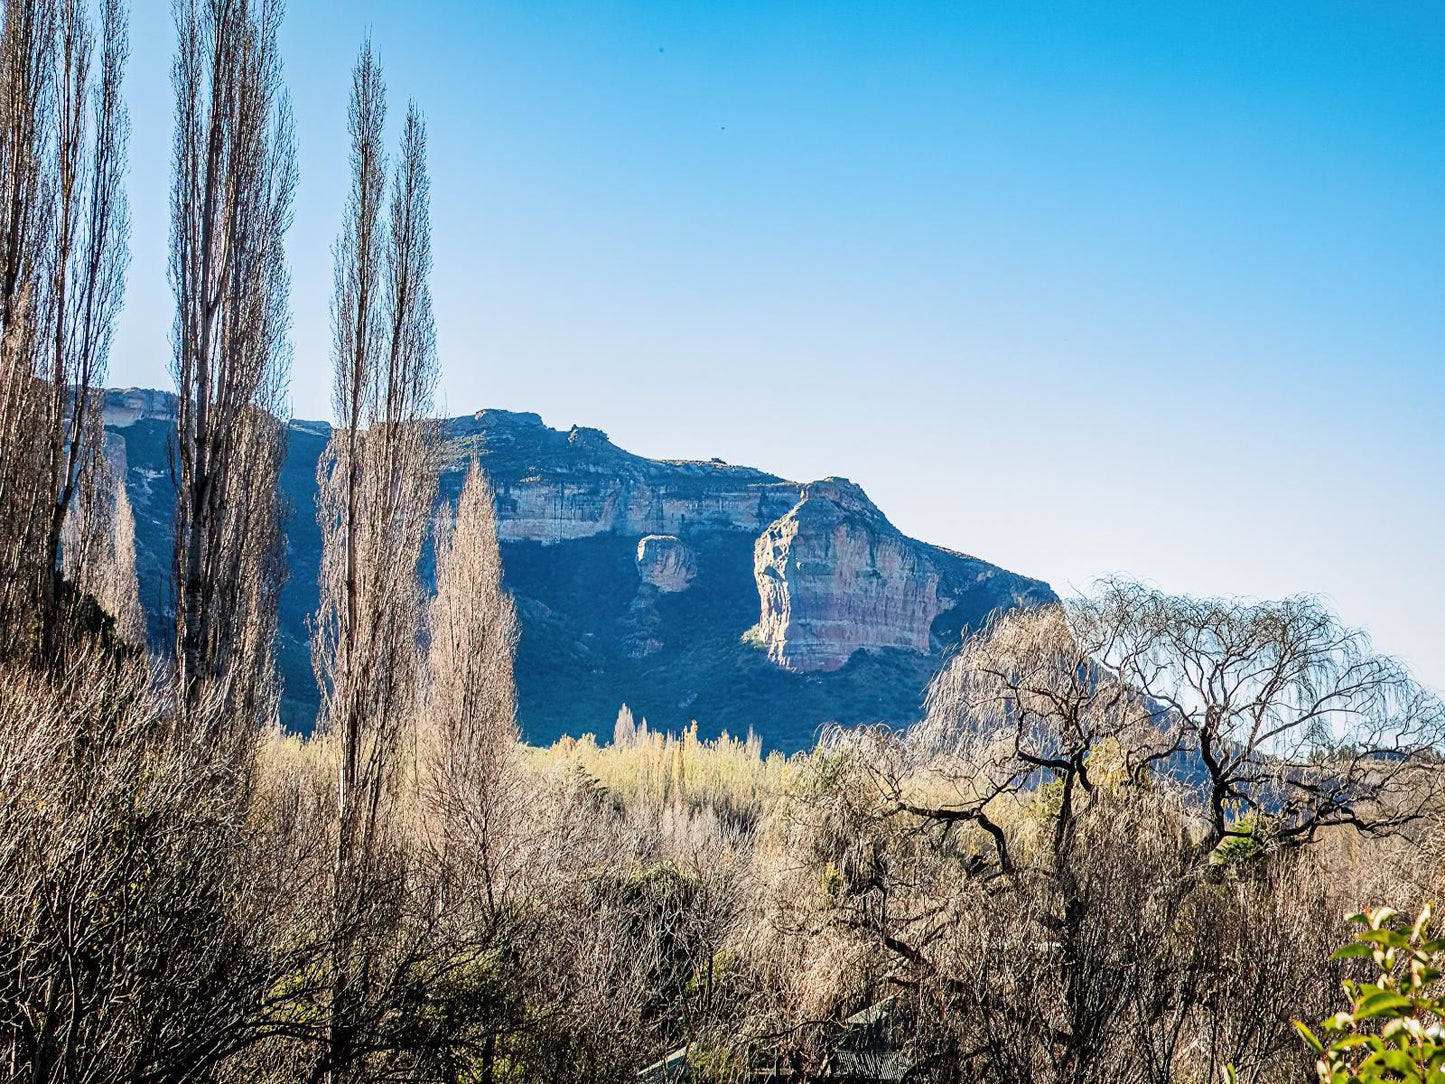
558 487
686 589
835 577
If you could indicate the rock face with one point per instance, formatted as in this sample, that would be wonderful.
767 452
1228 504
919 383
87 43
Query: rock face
665 562
665 566
561 510
558 487
835 577
689 590
126 406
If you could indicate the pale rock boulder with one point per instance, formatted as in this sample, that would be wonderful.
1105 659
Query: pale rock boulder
665 566
666 562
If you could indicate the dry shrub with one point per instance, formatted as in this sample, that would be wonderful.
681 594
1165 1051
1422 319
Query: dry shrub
130 949
1057 876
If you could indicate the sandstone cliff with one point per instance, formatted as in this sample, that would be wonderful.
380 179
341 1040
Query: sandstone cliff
557 487
835 577
689 590
666 563
126 406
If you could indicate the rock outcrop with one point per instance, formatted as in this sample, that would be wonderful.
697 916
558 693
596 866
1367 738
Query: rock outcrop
666 563
562 509
558 487
687 589
665 566
126 406
835 577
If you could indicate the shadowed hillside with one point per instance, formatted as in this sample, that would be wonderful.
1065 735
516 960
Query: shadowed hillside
756 602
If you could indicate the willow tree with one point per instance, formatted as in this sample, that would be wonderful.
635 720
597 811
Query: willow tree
1087 780
377 484
231 197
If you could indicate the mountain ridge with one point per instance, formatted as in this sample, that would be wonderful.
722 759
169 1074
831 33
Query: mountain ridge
689 589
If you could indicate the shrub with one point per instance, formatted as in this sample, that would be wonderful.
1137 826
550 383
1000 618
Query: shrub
1392 1030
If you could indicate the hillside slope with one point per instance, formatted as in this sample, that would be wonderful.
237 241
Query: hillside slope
688 590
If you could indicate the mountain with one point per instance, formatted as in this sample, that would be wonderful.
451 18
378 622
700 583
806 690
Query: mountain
688 590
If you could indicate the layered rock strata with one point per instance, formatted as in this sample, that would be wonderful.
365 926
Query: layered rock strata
835 577
557 487
666 563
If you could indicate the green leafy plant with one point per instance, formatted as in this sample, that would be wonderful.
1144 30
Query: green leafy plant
1393 1029
1251 837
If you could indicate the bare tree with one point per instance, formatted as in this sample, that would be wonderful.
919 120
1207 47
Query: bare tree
26 63
119 590
131 948
98 550
88 250
1022 862
1021 717
377 482
470 728
1274 711
235 174
66 255
27 70
1288 719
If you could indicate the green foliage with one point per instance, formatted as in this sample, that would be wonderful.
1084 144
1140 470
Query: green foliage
1393 1029
1251 836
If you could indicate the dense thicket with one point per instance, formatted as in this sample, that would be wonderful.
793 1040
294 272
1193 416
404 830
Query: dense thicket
1118 846
1025 886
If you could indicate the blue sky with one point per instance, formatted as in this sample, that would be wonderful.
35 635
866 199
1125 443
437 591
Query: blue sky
1079 288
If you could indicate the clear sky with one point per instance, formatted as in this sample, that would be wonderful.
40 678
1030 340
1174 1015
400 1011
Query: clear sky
1078 288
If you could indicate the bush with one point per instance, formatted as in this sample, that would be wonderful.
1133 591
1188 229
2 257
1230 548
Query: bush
1392 1030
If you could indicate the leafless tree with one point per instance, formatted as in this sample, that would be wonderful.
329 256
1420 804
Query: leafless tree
26 84
1289 719
469 722
1274 711
235 173
98 550
88 251
1093 834
377 482
66 253
27 72
132 945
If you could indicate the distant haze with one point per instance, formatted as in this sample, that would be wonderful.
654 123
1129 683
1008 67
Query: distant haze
1110 287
